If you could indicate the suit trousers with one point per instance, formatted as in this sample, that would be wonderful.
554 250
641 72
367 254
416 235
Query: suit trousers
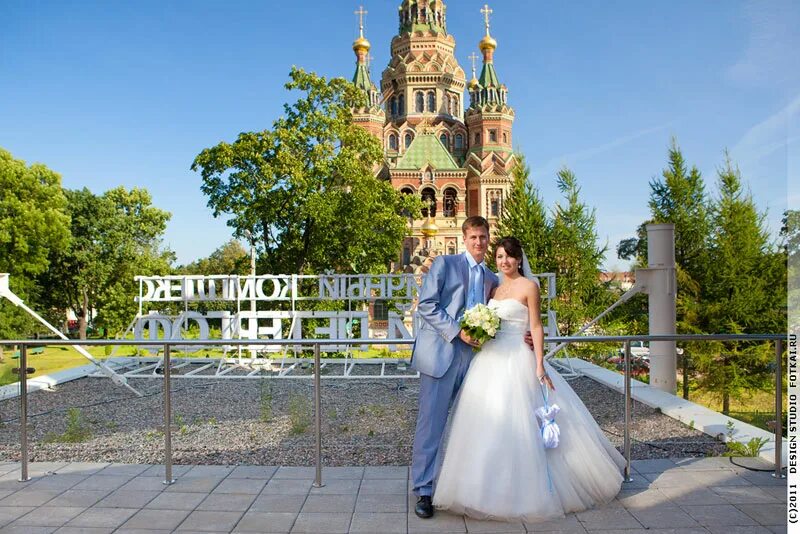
436 395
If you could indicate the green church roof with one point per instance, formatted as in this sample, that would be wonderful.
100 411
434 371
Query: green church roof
425 149
489 76
361 78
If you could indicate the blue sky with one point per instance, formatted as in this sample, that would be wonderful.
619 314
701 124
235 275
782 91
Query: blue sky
116 93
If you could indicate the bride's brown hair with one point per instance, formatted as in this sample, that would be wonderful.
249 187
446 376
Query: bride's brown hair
513 248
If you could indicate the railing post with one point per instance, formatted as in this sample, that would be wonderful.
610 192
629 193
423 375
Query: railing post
318 417
778 409
627 433
23 412
167 417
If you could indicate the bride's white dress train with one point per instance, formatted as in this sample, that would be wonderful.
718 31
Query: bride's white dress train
495 465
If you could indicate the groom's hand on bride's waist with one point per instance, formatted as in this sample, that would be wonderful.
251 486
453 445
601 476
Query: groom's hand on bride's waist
467 339
529 339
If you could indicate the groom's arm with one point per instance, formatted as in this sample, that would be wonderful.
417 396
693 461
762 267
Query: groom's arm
429 306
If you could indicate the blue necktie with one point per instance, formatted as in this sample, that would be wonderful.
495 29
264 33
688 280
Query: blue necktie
475 290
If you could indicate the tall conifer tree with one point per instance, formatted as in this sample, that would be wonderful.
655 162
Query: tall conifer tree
679 197
745 294
525 217
577 257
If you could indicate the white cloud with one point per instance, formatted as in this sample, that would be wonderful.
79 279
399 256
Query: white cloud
581 155
770 57
769 135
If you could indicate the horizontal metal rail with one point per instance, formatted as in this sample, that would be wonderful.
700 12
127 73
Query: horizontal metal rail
316 344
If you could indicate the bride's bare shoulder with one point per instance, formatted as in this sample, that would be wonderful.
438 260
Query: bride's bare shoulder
530 287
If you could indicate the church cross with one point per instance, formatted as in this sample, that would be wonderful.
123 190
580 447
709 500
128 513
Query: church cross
361 12
486 11
474 58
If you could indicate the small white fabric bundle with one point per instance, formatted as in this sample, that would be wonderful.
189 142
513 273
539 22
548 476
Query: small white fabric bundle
547 423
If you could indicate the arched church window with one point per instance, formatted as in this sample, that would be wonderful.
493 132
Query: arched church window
477 139
401 104
450 202
459 141
408 139
495 207
419 104
492 136
394 107
393 142
445 140
431 101
429 201
505 138
447 104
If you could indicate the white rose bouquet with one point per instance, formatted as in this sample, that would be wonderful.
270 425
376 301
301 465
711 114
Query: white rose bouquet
481 323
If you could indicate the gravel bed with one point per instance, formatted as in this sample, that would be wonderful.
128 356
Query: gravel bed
269 422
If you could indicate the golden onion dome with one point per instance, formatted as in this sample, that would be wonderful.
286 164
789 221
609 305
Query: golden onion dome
429 229
473 83
487 43
361 44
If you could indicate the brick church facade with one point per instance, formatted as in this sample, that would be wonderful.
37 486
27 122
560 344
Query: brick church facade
454 152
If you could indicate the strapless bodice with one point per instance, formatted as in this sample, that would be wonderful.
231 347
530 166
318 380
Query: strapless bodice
513 315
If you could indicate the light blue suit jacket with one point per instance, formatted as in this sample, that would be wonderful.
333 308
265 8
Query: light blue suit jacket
441 301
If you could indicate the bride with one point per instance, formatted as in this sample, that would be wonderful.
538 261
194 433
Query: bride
495 463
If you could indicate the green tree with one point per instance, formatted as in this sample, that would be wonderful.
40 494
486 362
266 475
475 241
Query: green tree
115 236
33 223
524 216
790 232
680 198
577 258
306 188
230 258
746 293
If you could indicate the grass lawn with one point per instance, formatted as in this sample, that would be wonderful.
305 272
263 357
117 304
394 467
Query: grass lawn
51 360
55 359
755 408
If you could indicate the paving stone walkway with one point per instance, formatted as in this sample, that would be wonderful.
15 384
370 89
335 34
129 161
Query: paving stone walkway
686 496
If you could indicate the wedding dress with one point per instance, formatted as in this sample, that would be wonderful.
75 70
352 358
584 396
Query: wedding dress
495 465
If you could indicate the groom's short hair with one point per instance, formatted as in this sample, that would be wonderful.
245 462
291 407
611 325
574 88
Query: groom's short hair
475 221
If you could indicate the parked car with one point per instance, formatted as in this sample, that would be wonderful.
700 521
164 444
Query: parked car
641 349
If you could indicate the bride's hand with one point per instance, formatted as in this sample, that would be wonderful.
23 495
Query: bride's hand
544 378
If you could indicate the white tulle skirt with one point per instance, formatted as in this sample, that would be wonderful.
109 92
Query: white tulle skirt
495 465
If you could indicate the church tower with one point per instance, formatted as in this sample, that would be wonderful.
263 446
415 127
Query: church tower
371 117
489 121
458 161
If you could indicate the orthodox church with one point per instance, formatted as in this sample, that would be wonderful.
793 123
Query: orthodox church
455 154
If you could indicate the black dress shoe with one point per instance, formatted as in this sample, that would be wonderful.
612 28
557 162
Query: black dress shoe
424 507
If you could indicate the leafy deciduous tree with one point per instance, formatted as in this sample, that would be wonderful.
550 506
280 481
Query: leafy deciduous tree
306 187
115 236
33 222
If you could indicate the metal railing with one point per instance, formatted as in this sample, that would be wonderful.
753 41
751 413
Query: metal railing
317 343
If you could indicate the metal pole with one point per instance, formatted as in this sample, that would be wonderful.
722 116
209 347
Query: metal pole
778 409
23 412
253 353
318 417
167 418
627 434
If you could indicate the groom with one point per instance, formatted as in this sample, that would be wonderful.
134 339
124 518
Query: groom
442 351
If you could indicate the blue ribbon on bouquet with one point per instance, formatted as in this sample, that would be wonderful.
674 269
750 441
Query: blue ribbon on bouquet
545 423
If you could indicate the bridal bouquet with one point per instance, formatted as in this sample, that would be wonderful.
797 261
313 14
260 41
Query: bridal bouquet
481 323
